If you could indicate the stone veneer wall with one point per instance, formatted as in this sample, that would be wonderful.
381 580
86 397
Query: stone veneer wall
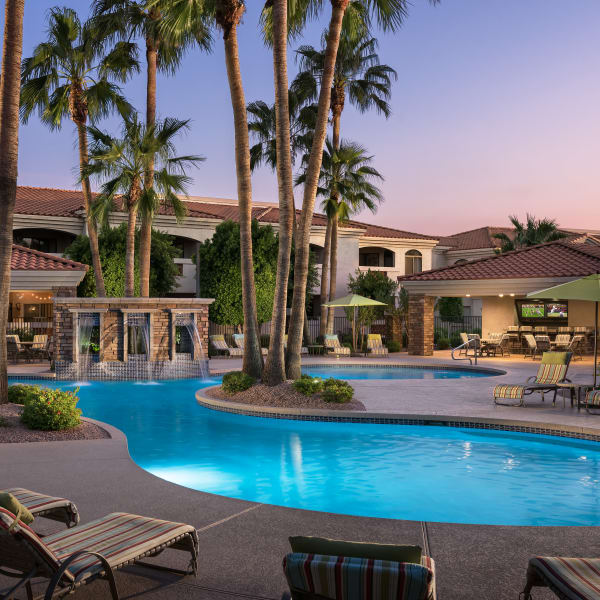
420 324
113 360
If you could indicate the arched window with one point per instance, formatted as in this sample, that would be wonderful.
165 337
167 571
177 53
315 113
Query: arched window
413 262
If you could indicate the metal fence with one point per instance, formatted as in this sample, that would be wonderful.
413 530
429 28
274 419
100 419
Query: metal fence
448 329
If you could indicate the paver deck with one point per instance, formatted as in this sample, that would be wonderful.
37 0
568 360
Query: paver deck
242 543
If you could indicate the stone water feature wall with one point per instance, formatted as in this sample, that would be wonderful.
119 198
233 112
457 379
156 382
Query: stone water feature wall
112 360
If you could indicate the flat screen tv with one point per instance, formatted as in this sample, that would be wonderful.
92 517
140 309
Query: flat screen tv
532 311
557 310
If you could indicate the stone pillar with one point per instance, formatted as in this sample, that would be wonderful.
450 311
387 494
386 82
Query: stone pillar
420 324
64 292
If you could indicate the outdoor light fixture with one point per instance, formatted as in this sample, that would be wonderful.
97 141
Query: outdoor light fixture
468 295
500 295
512 295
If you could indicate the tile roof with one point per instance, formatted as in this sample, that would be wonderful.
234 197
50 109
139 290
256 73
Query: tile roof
562 258
25 259
482 237
48 201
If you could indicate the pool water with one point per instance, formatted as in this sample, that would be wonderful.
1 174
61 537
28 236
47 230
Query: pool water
394 471
392 372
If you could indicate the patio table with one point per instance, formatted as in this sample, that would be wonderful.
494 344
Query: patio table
576 390
315 349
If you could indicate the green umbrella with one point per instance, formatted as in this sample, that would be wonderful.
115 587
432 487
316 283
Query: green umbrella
587 288
353 300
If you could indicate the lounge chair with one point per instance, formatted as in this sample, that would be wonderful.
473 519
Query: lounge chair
49 507
592 400
303 349
354 570
568 578
332 344
561 341
375 345
238 338
220 345
553 370
78 556
577 346
500 343
472 342
531 347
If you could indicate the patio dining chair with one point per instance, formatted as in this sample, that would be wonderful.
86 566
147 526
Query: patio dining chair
375 345
238 338
332 344
553 370
14 348
561 341
321 569
220 345
40 346
541 329
565 329
75 557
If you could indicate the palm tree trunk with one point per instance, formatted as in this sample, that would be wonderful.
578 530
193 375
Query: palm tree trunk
333 271
274 372
324 280
10 89
87 203
310 192
130 240
147 218
252 362
337 117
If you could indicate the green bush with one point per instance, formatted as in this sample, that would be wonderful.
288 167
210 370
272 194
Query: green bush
443 344
336 390
25 335
51 410
393 346
308 385
237 382
455 340
20 393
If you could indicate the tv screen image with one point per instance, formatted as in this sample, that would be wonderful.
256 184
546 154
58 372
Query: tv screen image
557 310
532 311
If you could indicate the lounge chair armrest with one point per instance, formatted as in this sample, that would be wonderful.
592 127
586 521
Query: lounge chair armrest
532 378
65 565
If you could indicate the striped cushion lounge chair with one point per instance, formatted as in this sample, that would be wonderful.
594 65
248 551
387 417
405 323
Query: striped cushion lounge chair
238 338
77 556
375 345
218 343
332 344
50 507
553 370
321 577
303 350
568 578
592 400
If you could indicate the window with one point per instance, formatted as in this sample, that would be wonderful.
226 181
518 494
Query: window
368 259
388 258
413 262
36 243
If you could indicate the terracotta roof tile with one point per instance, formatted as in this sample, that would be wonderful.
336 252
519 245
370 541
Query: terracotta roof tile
48 201
25 259
562 258
482 237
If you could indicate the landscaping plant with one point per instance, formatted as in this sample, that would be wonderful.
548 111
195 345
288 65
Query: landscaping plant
20 393
336 390
308 385
51 410
237 381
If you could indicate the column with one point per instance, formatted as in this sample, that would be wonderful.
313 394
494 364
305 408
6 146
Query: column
420 324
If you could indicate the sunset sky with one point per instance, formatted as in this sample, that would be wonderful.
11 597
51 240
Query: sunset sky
496 111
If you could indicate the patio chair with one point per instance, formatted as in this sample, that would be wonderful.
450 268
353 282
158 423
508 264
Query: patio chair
375 345
543 343
331 569
531 348
220 345
526 329
238 338
40 346
562 341
504 345
564 329
14 348
49 507
553 370
542 329
332 344
78 556
568 578
592 400
577 346
303 349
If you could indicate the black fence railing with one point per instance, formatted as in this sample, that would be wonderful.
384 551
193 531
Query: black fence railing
451 329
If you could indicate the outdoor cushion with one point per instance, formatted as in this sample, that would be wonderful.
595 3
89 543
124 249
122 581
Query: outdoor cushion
555 358
12 504
318 545
119 537
52 507
344 578
551 373
593 397
512 391
569 578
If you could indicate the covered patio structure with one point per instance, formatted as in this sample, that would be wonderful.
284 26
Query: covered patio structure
503 282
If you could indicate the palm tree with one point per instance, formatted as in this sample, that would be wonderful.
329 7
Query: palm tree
389 15
9 154
347 186
68 76
532 232
124 19
121 164
358 74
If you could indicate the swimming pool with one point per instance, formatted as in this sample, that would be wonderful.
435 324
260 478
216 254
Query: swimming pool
394 471
395 372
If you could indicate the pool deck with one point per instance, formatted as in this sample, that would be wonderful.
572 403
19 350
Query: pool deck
242 543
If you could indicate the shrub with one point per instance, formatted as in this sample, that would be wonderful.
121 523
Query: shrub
336 390
393 346
237 382
25 335
308 385
443 344
20 393
51 410
455 340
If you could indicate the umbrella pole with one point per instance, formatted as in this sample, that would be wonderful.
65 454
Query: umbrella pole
596 345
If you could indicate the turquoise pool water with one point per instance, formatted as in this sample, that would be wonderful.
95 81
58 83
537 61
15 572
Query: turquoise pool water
392 372
394 471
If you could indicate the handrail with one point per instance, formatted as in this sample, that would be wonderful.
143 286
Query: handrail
468 345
